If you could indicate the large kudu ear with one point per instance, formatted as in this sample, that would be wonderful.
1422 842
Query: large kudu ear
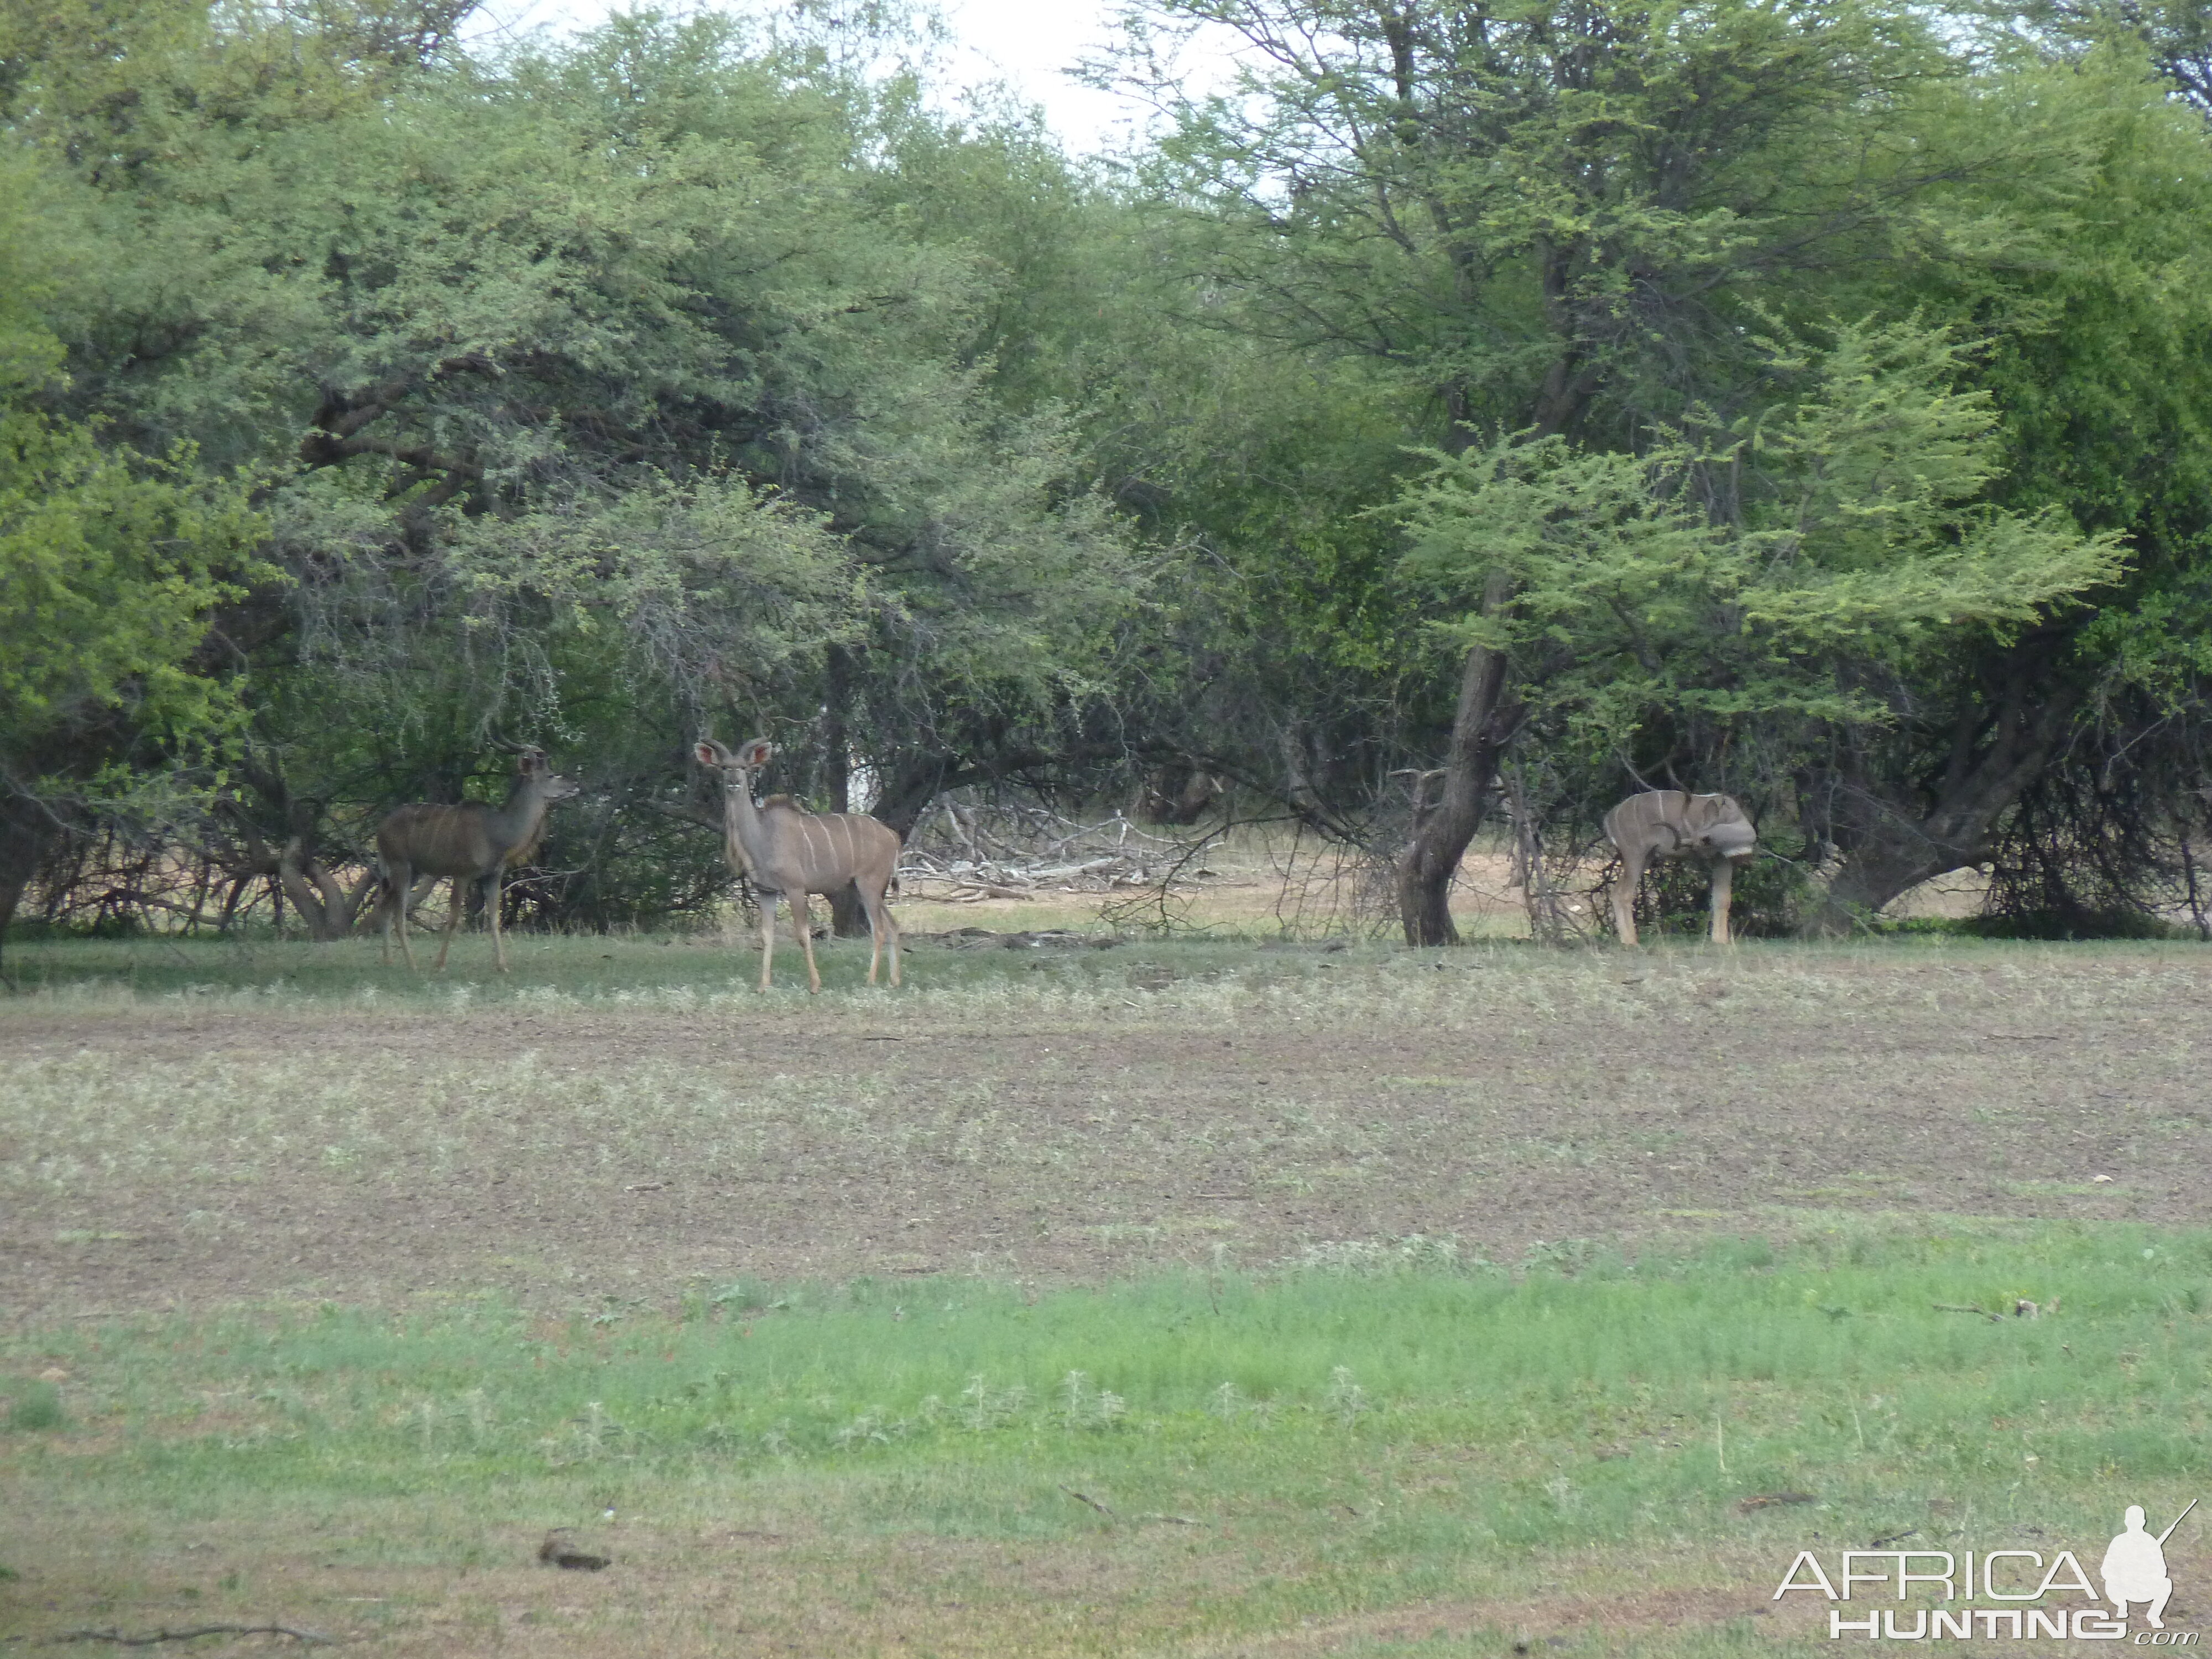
755 753
710 753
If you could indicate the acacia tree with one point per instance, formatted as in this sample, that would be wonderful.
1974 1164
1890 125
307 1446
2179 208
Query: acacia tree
1544 220
604 391
110 564
1576 221
2088 291
1789 569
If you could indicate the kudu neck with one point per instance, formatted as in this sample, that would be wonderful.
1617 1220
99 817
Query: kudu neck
747 822
512 822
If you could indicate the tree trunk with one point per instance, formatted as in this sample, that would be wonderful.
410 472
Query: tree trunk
910 787
329 910
1482 724
848 917
1870 877
1896 844
1298 791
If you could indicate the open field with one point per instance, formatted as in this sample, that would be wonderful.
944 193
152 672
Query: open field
625 1117
1118 1300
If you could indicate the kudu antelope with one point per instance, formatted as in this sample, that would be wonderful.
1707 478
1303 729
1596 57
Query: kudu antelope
1666 823
787 854
472 843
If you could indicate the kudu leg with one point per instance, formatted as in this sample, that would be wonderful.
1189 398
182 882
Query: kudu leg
492 906
802 919
452 922
403 890
881 926
1623 896
1723 889
768 903
890 932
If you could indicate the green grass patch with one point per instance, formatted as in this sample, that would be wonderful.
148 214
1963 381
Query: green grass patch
1383 1423
35 1404
660 971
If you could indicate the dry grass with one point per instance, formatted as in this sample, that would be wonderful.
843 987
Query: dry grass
588 1130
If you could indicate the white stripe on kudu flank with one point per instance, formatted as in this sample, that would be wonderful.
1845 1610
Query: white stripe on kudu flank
790 853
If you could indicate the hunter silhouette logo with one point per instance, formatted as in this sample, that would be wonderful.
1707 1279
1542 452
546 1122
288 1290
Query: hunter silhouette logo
2133 1571
2134 1567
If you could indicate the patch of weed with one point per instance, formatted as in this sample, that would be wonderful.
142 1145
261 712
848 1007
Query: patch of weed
35 1405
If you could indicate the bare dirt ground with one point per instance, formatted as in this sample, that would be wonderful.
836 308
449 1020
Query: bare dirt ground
1213 1107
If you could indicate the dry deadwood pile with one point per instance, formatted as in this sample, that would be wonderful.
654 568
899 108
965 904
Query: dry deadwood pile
961 855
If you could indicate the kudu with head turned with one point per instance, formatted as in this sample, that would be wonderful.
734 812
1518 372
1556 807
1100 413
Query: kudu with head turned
472 843
1667 824
787 854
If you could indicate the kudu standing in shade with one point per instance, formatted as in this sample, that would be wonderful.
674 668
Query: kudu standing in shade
787 854
1666 823
472 843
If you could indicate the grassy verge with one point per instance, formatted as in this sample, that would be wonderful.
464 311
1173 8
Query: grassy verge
617 968
624 970
1386 1449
